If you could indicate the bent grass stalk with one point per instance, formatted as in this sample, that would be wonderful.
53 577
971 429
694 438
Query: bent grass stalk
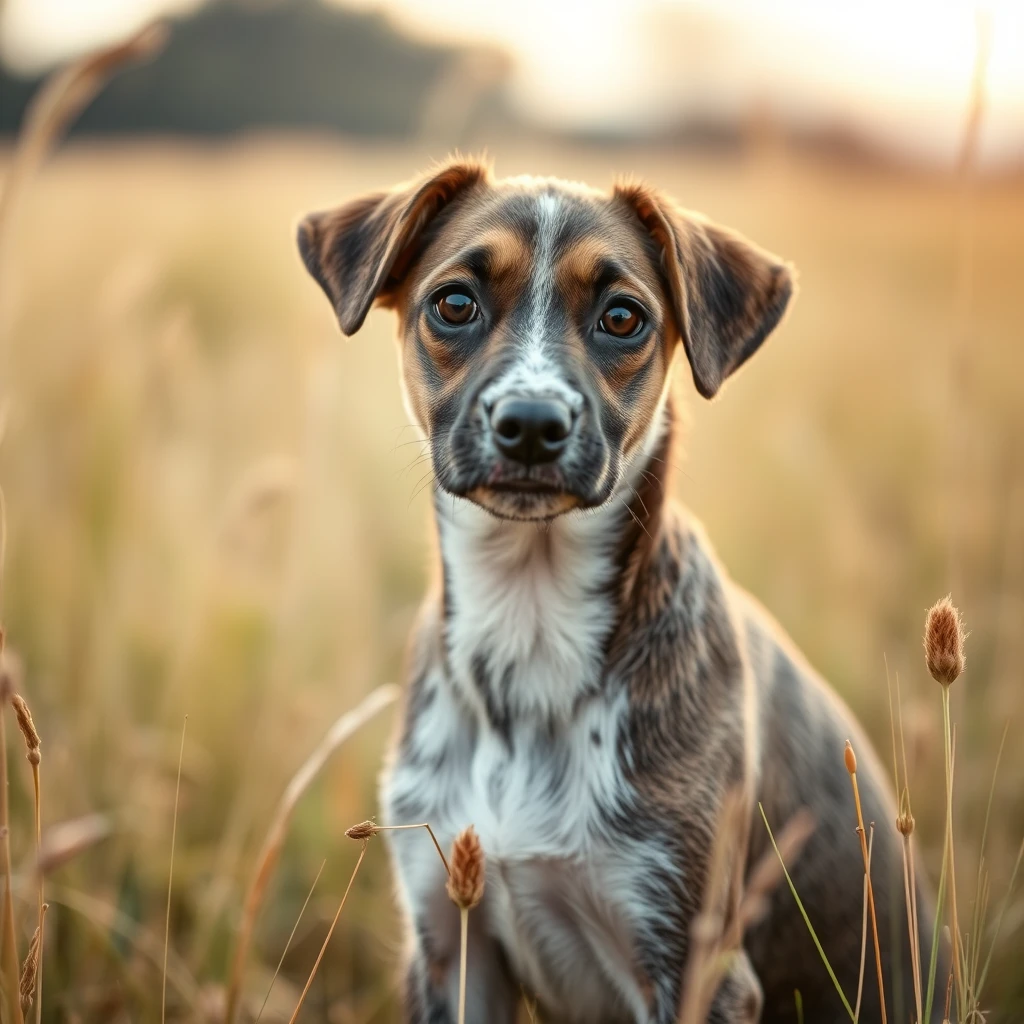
807 920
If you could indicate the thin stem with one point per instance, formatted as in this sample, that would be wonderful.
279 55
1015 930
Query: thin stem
330 931
464 942
939 903
871 894
37 790
8 948
915 938
949 841
170 874
863 933
288 944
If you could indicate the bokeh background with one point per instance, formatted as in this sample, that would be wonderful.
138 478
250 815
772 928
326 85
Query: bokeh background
211 508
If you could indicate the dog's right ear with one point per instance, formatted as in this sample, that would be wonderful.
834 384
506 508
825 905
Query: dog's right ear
359 252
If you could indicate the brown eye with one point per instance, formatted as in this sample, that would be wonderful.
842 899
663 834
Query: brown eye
621 321
455 308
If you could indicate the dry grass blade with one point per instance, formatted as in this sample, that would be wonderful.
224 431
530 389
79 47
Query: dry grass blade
725 916
330 932
343 728
864 931
170 874
851 767
66 840
60 101
288 944
703 964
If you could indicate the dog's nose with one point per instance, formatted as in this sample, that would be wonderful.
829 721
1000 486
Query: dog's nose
531 430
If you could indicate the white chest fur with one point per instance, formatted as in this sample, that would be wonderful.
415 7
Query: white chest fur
567 890
529 606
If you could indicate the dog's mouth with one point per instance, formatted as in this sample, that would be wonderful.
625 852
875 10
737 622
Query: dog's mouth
526 486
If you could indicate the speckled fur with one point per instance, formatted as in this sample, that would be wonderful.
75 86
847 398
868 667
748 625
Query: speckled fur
585 683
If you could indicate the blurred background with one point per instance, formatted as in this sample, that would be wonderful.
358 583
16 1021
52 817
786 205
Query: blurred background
211 510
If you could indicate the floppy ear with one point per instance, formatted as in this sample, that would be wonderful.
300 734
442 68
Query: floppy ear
728 294
358 252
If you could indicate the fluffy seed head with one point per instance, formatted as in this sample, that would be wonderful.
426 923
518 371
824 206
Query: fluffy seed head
850 758
364 830
944 642
466 870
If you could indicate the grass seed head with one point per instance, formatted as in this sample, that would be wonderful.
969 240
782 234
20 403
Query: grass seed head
466 870
27 983
944 642
27 727
364 830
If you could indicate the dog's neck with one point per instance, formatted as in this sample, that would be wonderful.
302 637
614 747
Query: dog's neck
530 608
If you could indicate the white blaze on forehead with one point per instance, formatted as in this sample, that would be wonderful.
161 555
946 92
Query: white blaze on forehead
535 371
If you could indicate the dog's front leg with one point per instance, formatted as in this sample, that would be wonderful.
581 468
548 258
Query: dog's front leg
432 974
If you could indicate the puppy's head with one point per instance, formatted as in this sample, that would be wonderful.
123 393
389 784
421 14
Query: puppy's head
538 320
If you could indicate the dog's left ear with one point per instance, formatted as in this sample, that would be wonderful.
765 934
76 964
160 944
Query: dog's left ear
358 252
728 294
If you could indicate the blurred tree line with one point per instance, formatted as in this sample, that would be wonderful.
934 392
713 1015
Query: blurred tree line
235 65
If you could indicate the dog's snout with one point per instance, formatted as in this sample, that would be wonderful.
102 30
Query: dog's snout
531 430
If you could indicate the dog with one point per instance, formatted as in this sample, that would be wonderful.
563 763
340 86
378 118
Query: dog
585 684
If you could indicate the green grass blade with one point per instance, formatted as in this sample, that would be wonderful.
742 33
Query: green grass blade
799 1000
807 920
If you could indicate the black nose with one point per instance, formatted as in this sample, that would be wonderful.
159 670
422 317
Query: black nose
531 430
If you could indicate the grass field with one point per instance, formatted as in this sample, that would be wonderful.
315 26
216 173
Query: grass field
210 514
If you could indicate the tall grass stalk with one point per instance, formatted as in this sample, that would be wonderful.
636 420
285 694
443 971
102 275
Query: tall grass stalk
288 944
330 931
170 875
951 880
9 967
851 767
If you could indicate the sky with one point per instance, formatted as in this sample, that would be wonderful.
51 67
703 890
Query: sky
898 70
